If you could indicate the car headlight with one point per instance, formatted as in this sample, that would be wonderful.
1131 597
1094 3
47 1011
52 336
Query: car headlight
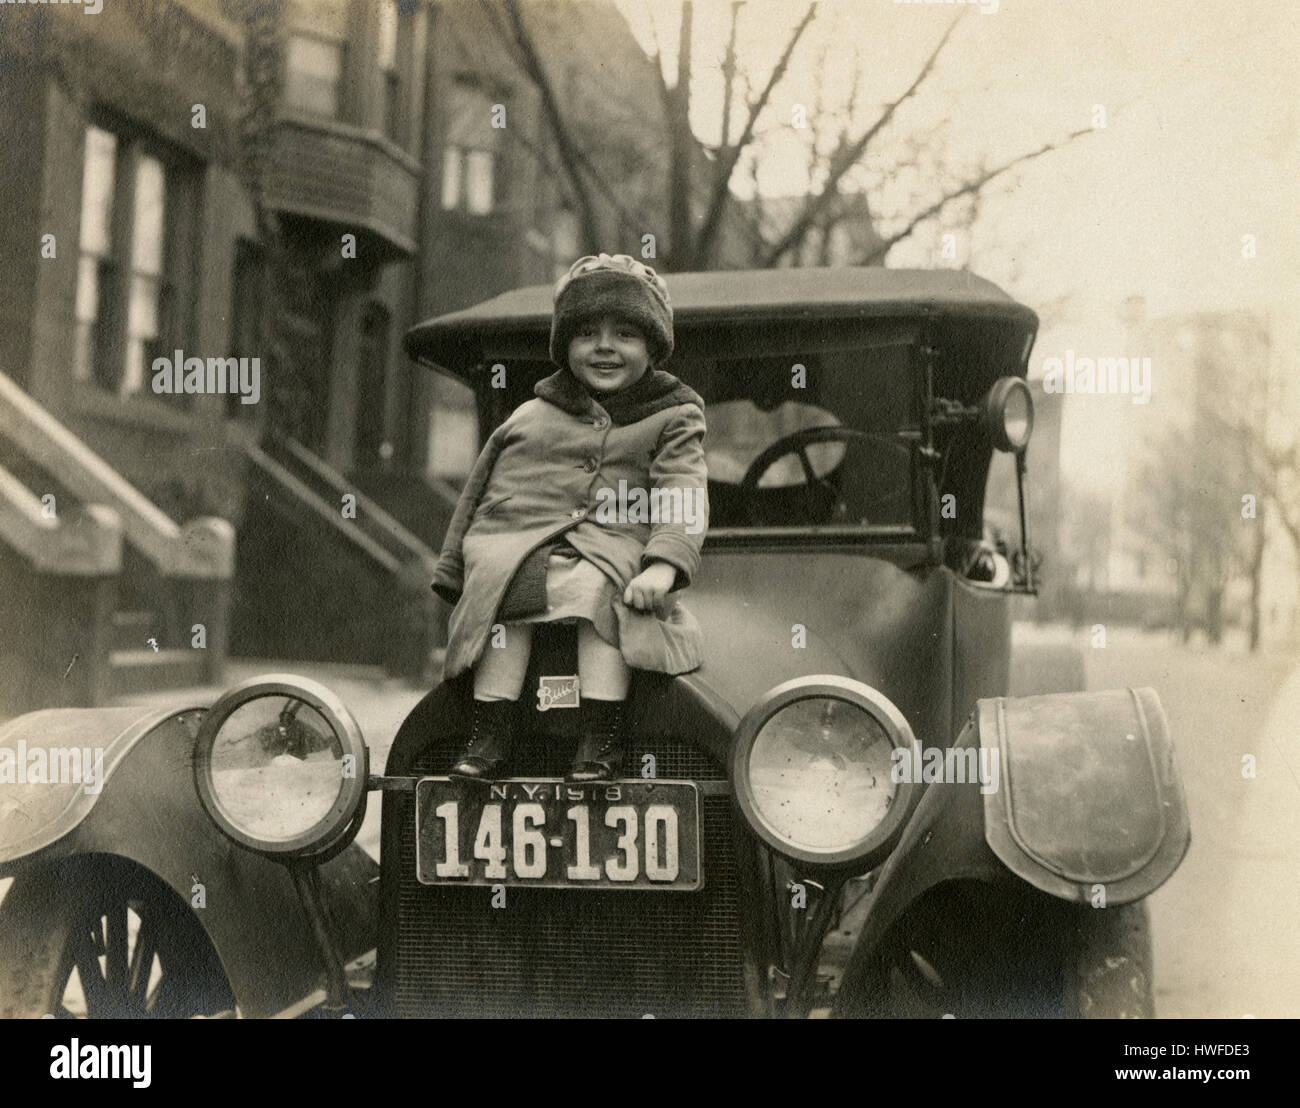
280 766
812 770
1008 414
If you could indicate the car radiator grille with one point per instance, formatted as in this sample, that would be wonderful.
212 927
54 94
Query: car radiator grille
581 953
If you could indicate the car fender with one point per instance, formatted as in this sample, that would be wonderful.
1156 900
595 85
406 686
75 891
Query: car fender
1087 807
1090 804
145 808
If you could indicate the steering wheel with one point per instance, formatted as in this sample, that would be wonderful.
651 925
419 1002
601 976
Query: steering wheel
798 444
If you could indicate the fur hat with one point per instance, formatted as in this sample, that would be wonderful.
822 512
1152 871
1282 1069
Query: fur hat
617 284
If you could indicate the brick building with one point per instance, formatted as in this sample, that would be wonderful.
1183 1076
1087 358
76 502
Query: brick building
145 211
410 171
123 212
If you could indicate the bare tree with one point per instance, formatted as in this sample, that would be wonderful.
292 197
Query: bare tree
969 188
677 104
1188 501
1270 462
1167 504
699 199
572 161
700 252
1085 546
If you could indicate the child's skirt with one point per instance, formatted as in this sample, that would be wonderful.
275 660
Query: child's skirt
577 589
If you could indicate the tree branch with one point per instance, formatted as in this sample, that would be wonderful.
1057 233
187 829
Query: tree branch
729 78
665 93
882 248
812 209
1267 465
569 154
680 176
582 160
730 155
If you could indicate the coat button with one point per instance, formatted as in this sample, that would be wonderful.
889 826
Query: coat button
578 513
600 423
590 465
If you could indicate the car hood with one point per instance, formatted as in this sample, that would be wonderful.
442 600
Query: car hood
770 616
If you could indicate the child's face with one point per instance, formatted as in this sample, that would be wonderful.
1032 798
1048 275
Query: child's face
608 354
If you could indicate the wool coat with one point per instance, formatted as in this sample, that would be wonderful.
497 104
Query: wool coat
553 468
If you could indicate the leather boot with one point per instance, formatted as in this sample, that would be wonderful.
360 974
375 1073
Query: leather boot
489 743
600 752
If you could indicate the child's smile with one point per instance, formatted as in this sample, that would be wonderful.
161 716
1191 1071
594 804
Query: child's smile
608 354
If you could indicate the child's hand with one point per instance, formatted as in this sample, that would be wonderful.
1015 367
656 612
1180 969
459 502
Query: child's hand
650 588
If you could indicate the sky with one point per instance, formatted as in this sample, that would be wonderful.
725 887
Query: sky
1199 149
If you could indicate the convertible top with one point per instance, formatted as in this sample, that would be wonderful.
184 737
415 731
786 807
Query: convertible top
455 340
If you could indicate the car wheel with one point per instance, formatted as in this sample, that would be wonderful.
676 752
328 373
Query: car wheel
107 940
1110 971
970 951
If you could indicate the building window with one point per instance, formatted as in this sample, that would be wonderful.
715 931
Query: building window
136 229
95 264
313 71
150 294
469 157
388 68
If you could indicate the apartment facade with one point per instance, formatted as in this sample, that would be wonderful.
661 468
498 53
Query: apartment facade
124 209
409 170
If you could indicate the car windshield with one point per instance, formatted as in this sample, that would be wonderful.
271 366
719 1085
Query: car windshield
823 440
820 440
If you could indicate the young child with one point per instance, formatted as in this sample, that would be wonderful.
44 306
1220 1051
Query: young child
553 522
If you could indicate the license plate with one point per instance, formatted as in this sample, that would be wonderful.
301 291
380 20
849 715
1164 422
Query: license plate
549 834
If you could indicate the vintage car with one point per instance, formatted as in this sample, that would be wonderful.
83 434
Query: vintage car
843 811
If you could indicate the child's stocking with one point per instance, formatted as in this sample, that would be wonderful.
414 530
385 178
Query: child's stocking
498 681
603 680
499 672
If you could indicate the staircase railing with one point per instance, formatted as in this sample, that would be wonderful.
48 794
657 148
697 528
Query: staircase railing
84 543
312 493
381 524
57 591
201 548
69 561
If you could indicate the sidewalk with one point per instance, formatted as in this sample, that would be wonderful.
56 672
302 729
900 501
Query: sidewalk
1259 898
